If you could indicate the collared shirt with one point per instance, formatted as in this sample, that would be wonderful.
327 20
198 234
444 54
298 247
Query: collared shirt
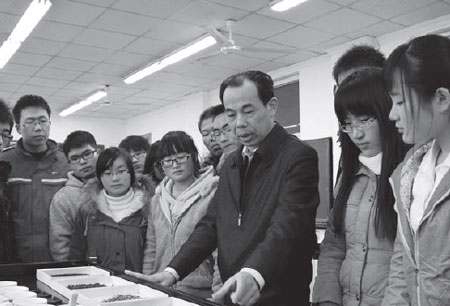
247 152
427 179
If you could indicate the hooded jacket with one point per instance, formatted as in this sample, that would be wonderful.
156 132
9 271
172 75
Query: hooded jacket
167 233
63 211
31 186
114 245
420 266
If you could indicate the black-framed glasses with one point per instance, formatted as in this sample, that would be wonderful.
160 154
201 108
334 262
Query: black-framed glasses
180 159
138 155
6 136
43 122
86 155
361 125
119 173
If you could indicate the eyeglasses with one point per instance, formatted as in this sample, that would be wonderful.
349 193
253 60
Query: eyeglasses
118 173
361 125
6 136
181 159
218 133
138 154
33 122
86 155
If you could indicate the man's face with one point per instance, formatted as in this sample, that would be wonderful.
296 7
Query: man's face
138 159
206 128
247 115
224 134
82 161
5 137
34 127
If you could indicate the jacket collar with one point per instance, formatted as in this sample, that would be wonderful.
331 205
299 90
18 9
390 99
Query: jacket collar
52 147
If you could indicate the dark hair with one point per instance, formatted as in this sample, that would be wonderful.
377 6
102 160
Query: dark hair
29 101
5 114
358 57
210 112
175 142
77 139
424 65
108 157
364 93
262 81
135 143
151 161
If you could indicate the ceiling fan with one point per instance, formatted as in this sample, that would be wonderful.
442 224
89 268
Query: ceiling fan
229 46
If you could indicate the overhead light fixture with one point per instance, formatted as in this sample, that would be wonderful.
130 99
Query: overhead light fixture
174 57
284 5
26 24
89 100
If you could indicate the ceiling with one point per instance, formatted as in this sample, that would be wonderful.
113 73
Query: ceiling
81 45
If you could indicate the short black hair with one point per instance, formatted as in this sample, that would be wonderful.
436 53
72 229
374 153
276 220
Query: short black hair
6 115
356 57
77 139
151 161
29 101
210 112
107 158
175 142
262 81
135 143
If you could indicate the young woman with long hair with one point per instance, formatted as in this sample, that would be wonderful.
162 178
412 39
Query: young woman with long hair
355 254
418 78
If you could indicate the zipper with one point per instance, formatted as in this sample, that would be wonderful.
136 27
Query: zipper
417 270
244 181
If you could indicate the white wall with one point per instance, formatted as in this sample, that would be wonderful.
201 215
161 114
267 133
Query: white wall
108 132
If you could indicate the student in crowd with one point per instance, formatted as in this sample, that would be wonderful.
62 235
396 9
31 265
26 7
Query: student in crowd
205 126
39 170
225 136
181 200
137 147
355 254
152 166
81 151
6 125
418 76
112 228
262 217
353 59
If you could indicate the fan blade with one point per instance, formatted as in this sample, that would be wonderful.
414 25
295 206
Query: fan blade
268 50
217 35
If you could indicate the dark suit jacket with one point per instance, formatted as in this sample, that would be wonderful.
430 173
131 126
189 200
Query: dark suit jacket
277 198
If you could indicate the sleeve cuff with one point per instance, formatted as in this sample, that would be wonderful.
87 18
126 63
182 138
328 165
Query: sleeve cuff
173 272
256 275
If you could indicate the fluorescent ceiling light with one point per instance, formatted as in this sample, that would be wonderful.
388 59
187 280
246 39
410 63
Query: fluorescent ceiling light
26 24
89 100
284 5
174 57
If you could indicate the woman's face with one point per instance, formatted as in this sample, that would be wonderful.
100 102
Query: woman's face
412 120
117 179
179 167
364 132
